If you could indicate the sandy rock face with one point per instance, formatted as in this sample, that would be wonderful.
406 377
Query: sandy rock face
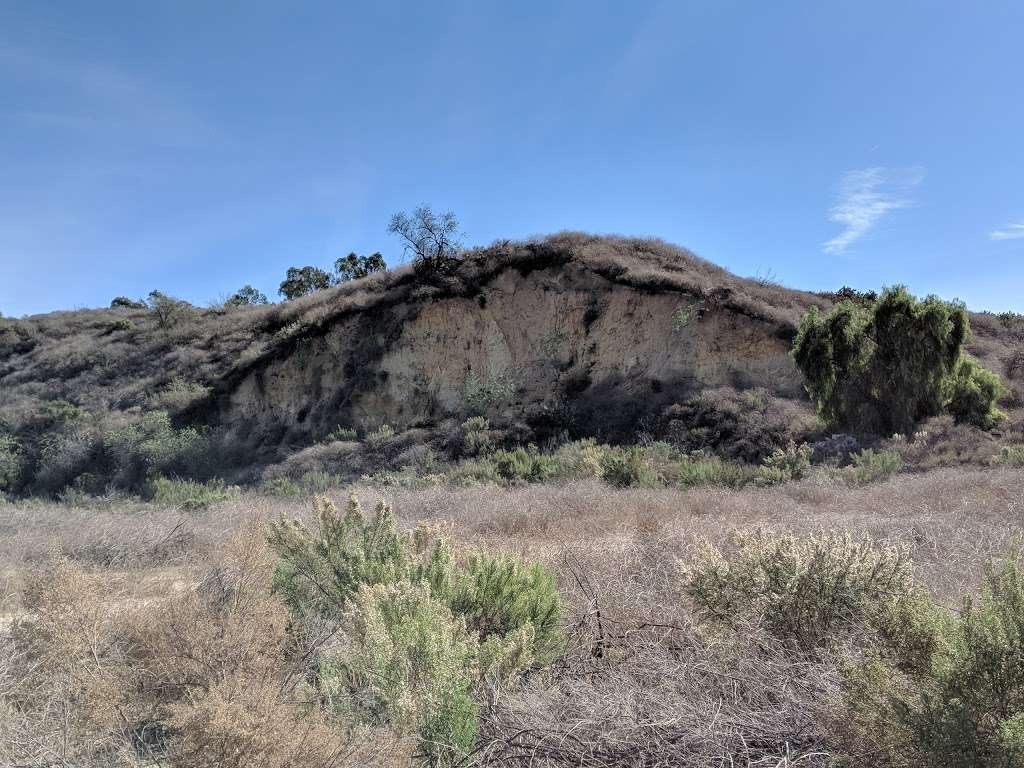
529 341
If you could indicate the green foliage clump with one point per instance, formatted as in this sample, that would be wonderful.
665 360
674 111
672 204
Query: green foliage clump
123 302
188 494
973 392
353 267
178 395
480 396
695 472
523 465
476 436
965 705
379 436
626 467
247 296
1012 455
784 464
168 310
300 281
154 446
580 459
121 324
10 463
413 666
870 466
884 369
340 434
473 472
809 591
421 632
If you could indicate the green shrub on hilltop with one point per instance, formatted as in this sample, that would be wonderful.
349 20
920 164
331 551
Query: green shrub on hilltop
885 368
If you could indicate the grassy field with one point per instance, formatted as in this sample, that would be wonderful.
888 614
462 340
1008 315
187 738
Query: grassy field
639 676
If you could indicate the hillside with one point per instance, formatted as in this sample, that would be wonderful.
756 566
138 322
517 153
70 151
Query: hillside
571 334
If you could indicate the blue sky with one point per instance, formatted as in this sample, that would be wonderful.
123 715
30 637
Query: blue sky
195 146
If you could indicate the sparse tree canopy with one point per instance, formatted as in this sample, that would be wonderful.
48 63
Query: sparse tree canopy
300 281
885 368
123 302
432 239
246 296
168 310
353 267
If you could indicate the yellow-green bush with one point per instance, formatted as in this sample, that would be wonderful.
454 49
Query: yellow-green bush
810 591
523 465
10 463
697 472
964 707
421 632
188 494
626 467
784 464
406 662
870 466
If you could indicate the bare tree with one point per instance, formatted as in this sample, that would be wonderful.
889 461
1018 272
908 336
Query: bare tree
433 239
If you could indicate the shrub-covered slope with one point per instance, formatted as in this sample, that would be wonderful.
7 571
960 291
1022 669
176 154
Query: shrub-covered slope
570 334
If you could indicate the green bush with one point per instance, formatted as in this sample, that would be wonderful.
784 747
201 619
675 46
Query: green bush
380 435
10 464
178 395
784 464
340 435
476 436
884 369
523 465
812 591
168 310
500 595
973 393
420 632
472 472
188 494
123 302
870 466
153 446
479 396
712 471
627 467
964 708
580 459
1012 455
121 324
412 666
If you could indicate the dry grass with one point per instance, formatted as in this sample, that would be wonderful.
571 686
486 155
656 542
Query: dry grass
154 633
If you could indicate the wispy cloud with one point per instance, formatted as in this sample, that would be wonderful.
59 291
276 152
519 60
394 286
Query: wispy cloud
1009 232
865 197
